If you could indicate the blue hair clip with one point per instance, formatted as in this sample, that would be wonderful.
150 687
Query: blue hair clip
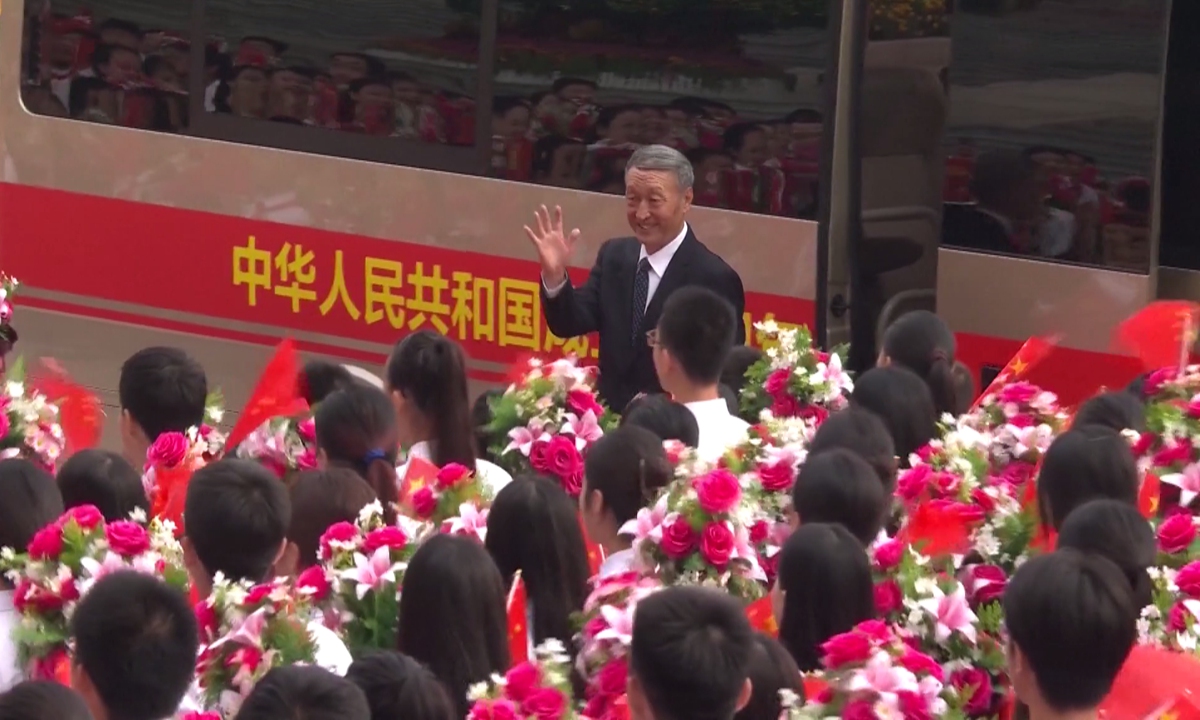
373 455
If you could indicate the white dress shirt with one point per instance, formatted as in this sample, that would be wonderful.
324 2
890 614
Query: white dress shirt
659 262
10 671
492 475
719 430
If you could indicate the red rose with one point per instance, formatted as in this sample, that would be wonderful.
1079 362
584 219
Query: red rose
919 664
1179 452
451 475
563 459
874 630
1176 533
716 544
1022 420
888 555
815 413
1157 379
342 532
888 597
581 402
777 382
493 710
612 677
859 710
521 681
208 622
424 502
307 430
21 595
537 456
946 483
127 538
979 684
846 649
168 450
545 704
1144 442
47 543
86 517
1188 580
759 531
776 477
913 705
985 584
678 538
1177 619
257 594
391 537
983 501
314 583
718 491
912 483
786 406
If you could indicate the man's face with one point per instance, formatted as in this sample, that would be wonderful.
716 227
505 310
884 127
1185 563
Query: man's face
754 150
122 67
655 206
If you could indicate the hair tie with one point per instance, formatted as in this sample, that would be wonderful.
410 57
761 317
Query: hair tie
373 455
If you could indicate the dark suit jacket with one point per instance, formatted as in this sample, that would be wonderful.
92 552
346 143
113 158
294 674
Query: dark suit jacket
604 304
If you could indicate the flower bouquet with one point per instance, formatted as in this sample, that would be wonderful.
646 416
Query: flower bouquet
550 417
8 334
246 630
794 379
442 500
471 521
533 690
29 422
283 444
1168 447
174 457
358 578
604 641
63 561
1020 420
698 533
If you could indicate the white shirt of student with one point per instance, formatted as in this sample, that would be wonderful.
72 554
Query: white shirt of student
719 430
10 671
492 475
659 262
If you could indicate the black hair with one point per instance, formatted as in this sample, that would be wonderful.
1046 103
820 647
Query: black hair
504 104
122 25
375 66
735 136
863 433
430 371
319 378
356 428
1137 386
321 498
103 479
31 502
730 397
921 342
453 615
1117 411
104 53
664 417
563 83
608 113
396 686
697 327
1073 619
698 155
771 669
1085 463
236 517
481 418
997 172
826 577
838 486
964 387
163 389
737 364
533 527
902 400
1117 531
42 700
136 638
356 86
691 652
628 467
304 691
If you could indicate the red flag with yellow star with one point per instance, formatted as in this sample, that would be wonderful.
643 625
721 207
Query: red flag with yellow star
1148 495
518 622
937 530
79 412
1031 353
1155 683
419 473
595 553
276 395
762 617
1160 334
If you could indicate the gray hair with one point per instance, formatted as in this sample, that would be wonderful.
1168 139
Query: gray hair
662 157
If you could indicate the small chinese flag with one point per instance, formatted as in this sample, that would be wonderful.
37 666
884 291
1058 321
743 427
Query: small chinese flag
1155 683
276 394
813 687
79 411
762 616
518 622
1160 333
1045 540
419 473
620 709
169 494
1148 495
62 670
1031 353
937 530
595 553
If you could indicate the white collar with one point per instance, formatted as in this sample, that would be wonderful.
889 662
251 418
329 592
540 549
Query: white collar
661 259
716 406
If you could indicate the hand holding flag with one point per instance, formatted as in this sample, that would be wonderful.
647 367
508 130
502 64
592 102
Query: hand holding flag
1160 334
518 623
1033 352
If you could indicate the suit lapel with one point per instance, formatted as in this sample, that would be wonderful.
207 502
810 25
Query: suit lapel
675 278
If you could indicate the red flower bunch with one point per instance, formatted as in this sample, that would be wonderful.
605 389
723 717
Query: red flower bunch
453 486
1020 421
173 458
604 641
538 690
794 379
1167 448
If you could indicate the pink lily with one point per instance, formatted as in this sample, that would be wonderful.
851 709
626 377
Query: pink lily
620 624
880 676
1187 481
523 438
470 521
372 572
646 521
952 614
585 429
743 549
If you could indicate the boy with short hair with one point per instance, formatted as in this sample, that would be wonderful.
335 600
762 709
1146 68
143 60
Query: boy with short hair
162 389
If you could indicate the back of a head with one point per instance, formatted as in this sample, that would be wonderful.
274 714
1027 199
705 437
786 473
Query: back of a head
863 433
103 479
396 686
236 517
964 386
299 692
163 389
1117 531
319 378
737 363
533 527
697 328
771 669
136 639
1073 621
921 342
664 417
628 467
453 614
1085 463
42 700
837 486
902 400
825 575
320 498
690 654
430 371
356 428
31 502
998 172
1117 411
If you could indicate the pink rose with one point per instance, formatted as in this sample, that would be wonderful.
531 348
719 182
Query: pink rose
86 517
888 555
613 677
209 623
545 704
1180 452
776 477
342 532
522 680
314 583
859 710
877 631
678 539
47 543
1176 533
563 459
920 664
537 456
983 501
759 531
946 483
912 483
307 460
1144 442
913 705
786 406
718 491
257 595
307 430
888 597
127 538
1177 618
815 413
451 475
493 710
391 537
777 382
424 502
1020 393
985 584
168 451
1157 379
979 701
1188 579
573 483
846 649
716 544
582 401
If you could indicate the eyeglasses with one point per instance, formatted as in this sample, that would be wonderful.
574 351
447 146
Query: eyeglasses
652 338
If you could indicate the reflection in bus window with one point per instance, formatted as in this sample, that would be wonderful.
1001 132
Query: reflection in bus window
1052 129
579 85
118 62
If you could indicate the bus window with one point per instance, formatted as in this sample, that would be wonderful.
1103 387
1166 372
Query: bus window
579 85
1052 130
1179 243
108 61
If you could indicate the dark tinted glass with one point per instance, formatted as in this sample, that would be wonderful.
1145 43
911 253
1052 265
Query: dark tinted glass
1179 243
